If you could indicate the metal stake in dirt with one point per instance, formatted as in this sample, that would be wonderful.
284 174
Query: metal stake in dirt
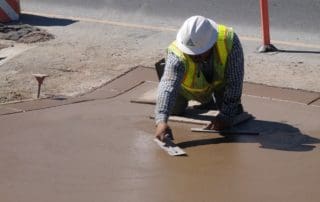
264 11
40 78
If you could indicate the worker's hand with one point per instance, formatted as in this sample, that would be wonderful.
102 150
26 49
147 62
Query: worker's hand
217 124
161 130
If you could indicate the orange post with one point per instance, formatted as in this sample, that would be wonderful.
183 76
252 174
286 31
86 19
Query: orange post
9 10
264 11
265 27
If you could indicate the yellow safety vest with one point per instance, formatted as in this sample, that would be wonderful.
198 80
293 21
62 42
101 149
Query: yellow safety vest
194 85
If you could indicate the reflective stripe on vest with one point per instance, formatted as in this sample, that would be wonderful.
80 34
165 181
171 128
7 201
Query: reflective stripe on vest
194 83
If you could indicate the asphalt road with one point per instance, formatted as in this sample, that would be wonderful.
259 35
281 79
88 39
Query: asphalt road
294 20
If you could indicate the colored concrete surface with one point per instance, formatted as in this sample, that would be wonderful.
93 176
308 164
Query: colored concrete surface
129 79
300 96
6 110
103 150
37 104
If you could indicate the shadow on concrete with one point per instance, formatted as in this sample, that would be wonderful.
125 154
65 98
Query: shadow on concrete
273 135
37 20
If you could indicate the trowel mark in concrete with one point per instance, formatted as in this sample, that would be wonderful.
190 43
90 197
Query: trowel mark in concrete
315 102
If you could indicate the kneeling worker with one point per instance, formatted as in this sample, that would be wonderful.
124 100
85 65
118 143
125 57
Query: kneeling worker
205 63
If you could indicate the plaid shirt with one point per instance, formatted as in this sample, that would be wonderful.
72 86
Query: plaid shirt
172 78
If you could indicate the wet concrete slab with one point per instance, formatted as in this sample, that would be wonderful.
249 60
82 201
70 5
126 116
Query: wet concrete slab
8 110
103 150
280 93
38 104
130 79
148 95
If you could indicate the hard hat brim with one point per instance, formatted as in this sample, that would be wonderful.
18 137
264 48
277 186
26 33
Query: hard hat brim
197 51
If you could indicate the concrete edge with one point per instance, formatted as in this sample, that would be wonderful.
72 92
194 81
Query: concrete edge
107 91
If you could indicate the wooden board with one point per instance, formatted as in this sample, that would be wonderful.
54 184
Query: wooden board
193 116
224 132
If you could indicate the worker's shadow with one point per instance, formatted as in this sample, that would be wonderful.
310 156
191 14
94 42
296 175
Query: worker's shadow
272 135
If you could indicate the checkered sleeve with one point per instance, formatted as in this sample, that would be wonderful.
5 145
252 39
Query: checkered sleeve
168 87
234 79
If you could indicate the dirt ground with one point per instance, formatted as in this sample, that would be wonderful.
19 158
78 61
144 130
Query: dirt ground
18 33
75 62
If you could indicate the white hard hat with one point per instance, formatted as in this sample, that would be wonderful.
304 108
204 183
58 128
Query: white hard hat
197 35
